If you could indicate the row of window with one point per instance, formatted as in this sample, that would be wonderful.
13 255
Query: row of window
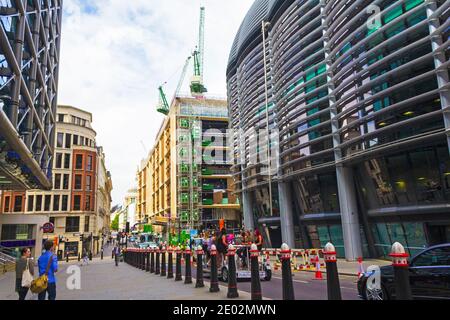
73 223
73 119
44 203
63 161
73 139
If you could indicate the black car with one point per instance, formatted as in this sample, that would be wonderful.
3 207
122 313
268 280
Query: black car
429 277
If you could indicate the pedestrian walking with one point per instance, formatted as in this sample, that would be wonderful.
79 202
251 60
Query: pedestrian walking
24 273
85 258
48 260
258 240
116 255
222 246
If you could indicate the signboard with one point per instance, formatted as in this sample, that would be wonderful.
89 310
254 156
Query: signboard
48 227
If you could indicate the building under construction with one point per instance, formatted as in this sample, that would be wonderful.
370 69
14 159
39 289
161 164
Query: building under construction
186 183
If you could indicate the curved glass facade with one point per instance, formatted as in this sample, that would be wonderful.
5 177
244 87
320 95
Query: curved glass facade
358 92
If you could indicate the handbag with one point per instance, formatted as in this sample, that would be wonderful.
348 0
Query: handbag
27 278
40 284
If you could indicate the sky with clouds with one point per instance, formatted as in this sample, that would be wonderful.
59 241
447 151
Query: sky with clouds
114 55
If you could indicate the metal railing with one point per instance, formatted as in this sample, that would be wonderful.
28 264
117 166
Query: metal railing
7 260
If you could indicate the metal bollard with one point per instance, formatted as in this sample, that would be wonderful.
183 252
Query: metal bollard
401 272
90 255
143 254
170 263
214 279
67 257
163 262
158 265
147 259
333 286
288 286
178 276
79 257
187 258
199 283
232 281
254 267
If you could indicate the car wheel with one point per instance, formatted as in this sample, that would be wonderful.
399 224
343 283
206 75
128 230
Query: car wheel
376 294
224 275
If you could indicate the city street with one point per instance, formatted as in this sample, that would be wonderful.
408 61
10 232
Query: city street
101 280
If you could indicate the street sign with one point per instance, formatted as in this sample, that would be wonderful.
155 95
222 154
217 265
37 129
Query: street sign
48 227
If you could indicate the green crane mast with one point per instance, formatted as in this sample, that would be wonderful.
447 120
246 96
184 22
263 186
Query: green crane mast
197 87
163 106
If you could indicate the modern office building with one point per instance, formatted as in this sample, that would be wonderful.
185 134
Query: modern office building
357 101
186 183
30 36
79 203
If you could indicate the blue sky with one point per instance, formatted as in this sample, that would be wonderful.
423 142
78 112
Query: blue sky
114 55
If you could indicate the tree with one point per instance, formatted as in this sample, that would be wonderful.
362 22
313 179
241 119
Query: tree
115 223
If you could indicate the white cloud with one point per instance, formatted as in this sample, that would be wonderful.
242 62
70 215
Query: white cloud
113 60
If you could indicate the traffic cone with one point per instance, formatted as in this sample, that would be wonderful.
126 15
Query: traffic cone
360 267
318 273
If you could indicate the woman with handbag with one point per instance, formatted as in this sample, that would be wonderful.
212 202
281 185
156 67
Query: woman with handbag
24 273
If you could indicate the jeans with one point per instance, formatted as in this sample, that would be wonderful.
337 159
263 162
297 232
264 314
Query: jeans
22 291
51 290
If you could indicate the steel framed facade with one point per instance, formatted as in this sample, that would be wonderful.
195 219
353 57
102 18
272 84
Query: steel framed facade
29 61
361 104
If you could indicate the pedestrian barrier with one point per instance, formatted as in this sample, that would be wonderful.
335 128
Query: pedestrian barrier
360 267
301 259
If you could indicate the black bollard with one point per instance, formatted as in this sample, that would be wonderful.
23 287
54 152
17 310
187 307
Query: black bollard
158 265
116 260
79 257
232 281
178 276
147 259
288 287
67 257
152 261
199 283
187 258
143 254
254 268
90 255
333 286
214 279
163 262
101 255
170 263
112 254
401 272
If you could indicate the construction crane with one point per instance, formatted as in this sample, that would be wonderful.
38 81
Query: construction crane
197 87
163 106
183 75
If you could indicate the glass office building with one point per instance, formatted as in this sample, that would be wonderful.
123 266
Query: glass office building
29 63
359 94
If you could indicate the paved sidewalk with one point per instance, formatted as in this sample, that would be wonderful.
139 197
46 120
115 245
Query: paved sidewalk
102 280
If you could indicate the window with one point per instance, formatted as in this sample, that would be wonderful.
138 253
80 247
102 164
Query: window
81 141
56 202
64 204
89 163
78 181
60 118
88 183
68 141
77 203
52 220
57 184
48 199
72 224
18 200
67 161
58 164
79 161
39 203
30 203
75 140
66 182
87 203
86 224
436 257
59 141
7 203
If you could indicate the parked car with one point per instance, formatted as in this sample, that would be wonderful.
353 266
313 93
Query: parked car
429 273
147 245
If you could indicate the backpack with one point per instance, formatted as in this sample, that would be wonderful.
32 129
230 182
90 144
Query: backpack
40 284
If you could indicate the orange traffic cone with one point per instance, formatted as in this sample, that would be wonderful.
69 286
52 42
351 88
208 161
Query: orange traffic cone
318 273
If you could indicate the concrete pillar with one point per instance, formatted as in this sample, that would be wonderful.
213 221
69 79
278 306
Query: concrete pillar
248 211
286 214
349 213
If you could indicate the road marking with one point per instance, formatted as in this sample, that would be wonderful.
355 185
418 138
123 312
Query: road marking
295 280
